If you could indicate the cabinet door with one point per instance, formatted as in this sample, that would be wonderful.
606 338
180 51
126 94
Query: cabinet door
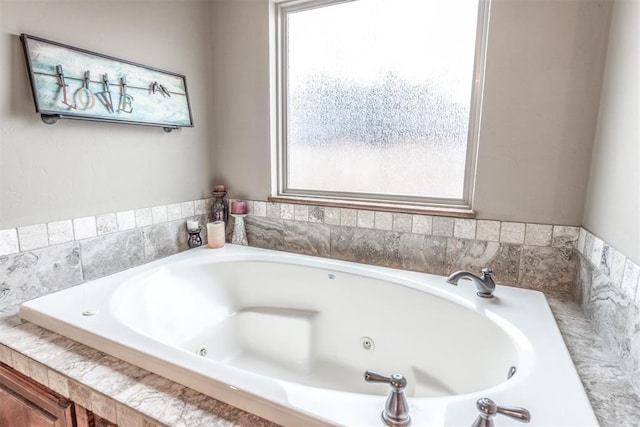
25 403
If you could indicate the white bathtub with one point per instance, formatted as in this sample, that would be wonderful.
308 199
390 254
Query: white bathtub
288 337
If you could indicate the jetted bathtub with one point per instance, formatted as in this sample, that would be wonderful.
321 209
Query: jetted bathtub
289 337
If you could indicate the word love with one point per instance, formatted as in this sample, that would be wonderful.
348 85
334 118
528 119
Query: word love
85 99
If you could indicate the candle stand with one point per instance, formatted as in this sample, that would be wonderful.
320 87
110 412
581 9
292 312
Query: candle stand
239 236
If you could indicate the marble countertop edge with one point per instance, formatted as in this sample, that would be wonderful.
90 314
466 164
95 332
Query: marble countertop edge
114 389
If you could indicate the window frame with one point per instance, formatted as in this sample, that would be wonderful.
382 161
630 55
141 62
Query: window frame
280 188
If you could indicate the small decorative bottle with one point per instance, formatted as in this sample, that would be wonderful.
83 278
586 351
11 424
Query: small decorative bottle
219 210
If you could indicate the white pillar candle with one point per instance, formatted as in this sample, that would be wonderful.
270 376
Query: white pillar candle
215 234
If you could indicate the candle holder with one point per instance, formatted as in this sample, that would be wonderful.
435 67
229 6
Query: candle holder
194 238
219 210
239 236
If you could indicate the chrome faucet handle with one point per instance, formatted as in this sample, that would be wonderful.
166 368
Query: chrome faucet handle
487 271
488 410
396 409
397 381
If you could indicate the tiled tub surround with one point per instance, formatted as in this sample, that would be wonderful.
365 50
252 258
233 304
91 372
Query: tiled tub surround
39 259
536 256
607 287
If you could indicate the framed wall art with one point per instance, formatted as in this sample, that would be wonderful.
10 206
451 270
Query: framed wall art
68 82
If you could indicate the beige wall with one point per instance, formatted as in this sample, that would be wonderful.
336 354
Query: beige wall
543 77
612 210
544 68
80 168
240 94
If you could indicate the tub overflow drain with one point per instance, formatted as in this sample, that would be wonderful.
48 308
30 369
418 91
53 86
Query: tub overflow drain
368 344
202 350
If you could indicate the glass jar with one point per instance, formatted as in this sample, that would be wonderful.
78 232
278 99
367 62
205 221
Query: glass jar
219 209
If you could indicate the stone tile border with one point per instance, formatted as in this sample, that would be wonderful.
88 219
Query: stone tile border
607 286
621 271
38 236
535 256
532 234
26 238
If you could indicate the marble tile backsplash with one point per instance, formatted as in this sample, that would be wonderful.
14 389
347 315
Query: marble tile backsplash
607 287
39 259
536 256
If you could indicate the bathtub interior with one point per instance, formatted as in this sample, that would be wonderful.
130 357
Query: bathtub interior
318 327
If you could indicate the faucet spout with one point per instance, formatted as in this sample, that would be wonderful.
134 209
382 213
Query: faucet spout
484 283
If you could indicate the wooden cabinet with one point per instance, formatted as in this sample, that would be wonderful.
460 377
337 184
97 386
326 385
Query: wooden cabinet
26 403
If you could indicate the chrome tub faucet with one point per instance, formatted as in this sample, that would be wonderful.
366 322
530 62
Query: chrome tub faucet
485 284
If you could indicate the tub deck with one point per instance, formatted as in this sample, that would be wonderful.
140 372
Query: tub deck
425 411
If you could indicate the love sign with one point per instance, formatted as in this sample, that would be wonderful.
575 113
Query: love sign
69 82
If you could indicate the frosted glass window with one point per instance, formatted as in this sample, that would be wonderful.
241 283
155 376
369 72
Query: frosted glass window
376 98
